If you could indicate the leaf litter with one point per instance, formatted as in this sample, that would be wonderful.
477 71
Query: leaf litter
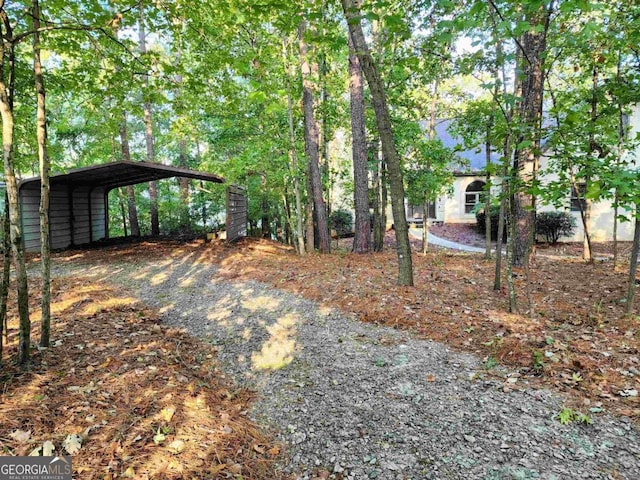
132 378
575 315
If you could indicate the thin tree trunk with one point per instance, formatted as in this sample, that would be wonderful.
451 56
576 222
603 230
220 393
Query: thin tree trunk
633 263
131 193
504 186
183 185
293 157
45 167
619 155
432 136
148 132
6 269
384 197
615 234
497 284
264 220
378 231
584 216
383 119
311 136
587 252
425 227
6 275
309 223
123 210
362 227
487 197
325 167
7 59
513 301
289 221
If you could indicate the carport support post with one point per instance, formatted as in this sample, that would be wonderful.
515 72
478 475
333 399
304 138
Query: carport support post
90 216
72 220
105 204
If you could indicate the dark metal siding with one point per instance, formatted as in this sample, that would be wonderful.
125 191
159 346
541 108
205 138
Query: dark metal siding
236 213
71 216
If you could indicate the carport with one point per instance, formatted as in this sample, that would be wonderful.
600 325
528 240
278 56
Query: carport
78 210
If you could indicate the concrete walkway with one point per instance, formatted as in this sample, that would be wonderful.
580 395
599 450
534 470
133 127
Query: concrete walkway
441 242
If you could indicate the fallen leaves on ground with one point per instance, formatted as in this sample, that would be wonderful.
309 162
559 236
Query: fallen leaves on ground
574 336
113 380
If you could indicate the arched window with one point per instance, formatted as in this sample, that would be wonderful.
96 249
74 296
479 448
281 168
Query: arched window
473 195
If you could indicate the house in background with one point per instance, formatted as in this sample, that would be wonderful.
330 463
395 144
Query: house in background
468 185
470 181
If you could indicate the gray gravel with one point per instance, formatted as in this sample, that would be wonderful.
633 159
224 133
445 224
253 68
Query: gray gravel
365 402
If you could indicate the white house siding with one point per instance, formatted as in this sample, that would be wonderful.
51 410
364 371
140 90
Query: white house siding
452 209
601 216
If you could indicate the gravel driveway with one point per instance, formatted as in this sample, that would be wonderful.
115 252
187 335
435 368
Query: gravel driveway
360 401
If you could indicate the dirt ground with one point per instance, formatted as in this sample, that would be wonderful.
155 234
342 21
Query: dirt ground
143 400
154 404
572 334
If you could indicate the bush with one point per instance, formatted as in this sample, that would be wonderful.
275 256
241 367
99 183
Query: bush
341 221
554 225
494 212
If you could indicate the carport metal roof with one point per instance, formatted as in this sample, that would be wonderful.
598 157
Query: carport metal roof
120 174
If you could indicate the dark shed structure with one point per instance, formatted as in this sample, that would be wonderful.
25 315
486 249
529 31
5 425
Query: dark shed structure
78 211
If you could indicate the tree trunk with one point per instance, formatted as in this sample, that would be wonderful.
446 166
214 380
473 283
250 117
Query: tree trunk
311 139
362 227
384 198
615 234
17 248
498 271
183 185
425 227
633 263
131 193
619 156
264 220
148 132
45 167
293 157
378 231
123 210
383 119
6 276
325 163
309 223
511 288
433 114
534 44
487 197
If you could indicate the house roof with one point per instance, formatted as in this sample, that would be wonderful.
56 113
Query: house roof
120 174
472 160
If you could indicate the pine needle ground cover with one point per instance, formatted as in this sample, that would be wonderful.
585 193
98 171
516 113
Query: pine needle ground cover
150 402
137 399
572 335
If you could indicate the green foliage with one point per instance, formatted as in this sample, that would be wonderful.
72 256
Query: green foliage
341 221
568 415
490 363
537 361
428 174
553 225
494 212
